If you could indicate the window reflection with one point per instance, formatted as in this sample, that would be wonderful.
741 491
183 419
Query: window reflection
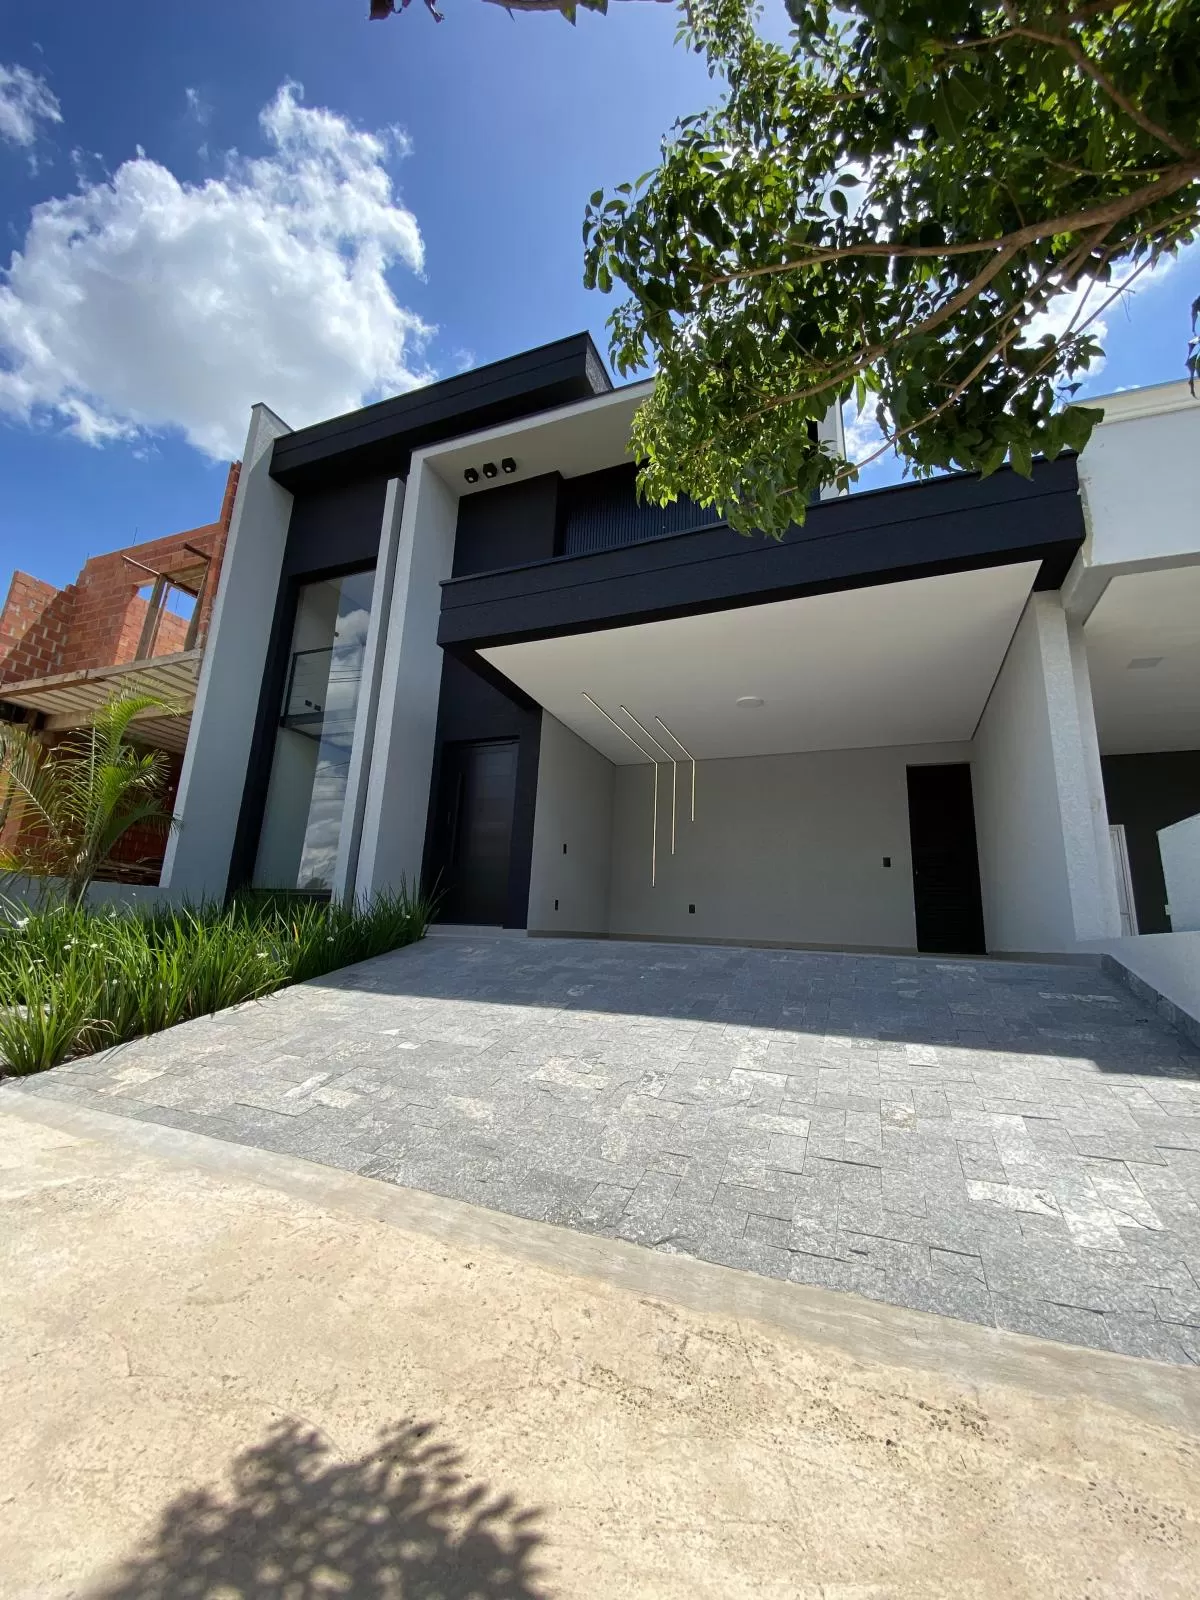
306 796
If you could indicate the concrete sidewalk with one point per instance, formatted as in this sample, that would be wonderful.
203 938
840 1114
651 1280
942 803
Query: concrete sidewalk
229 1372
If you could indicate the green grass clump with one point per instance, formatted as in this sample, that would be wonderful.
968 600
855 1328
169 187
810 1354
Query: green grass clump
73 980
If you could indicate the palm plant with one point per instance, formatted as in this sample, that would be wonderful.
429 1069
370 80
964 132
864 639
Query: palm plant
73 803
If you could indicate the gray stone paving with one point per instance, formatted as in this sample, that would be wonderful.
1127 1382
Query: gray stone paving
1012 1144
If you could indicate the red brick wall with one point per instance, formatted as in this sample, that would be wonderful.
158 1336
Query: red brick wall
33 628
97 620
139 853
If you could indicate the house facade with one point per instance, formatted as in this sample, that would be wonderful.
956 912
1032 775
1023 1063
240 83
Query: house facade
450 646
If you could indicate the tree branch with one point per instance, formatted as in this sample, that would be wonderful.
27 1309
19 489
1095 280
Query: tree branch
1069 43
891 440
1168 182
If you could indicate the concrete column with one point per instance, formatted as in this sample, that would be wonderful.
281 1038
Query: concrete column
350 837
397 792
200 848
1104 908
1045 864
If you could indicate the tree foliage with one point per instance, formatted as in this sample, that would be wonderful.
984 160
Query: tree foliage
71 805
881 209
381 10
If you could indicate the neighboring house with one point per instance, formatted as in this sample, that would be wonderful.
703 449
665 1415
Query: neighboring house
135 616
450 644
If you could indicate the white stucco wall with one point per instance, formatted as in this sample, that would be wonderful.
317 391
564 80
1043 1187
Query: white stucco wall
1044 861
218 749
785 849
367 710
568 888
397 798
1142 456
1179 847
1168 962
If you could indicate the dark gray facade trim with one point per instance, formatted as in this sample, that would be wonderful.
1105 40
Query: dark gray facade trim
379 439
944 525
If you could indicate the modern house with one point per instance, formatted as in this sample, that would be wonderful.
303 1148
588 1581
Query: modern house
451 645
139 615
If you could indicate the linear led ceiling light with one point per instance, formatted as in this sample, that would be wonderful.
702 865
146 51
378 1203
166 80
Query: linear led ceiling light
654 816
670 758
687 753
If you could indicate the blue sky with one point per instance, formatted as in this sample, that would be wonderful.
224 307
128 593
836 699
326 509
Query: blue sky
149 297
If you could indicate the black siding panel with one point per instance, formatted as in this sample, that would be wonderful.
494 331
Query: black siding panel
601 511
947 525
335 529
379 439
471 708
508 526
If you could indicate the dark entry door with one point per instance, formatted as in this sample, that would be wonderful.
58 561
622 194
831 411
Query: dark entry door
945 861
475 817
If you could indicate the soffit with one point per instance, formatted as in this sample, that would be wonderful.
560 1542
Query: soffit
1144 616
899 663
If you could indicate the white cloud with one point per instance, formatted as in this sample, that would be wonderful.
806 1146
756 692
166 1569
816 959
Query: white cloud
141 304
25 100
1074 311
198 107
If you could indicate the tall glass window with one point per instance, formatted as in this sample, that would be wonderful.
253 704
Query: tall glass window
306 797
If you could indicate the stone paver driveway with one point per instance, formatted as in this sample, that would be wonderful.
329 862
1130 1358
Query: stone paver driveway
1007 1143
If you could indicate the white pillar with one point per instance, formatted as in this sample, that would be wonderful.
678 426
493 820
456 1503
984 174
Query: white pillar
397 798
213 778
350 836
1045 864
1104 909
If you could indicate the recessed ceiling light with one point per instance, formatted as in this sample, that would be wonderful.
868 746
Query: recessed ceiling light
471 474
489 469
1140 663
749 702
508 464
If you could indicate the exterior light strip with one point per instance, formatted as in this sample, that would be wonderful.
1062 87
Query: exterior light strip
653 762
689 756
670 758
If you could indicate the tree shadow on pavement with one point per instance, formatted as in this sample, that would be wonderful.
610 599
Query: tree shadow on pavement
402 1522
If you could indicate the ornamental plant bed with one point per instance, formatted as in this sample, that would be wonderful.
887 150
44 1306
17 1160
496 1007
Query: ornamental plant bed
74 980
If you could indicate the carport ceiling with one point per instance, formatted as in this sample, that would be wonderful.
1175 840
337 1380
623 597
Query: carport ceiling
902 663
1148 618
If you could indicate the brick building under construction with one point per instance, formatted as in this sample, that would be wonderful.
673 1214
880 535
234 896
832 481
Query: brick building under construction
140 616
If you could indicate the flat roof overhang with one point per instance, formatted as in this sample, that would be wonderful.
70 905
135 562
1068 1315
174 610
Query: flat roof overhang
70 699
904 664
379 439
943 525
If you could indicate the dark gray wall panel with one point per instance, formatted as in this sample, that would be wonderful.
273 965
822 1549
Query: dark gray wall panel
1146 793
471 708
335 528
507 526
951 524
601 510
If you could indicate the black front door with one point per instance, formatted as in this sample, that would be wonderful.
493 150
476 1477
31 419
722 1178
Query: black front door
475 817
945 861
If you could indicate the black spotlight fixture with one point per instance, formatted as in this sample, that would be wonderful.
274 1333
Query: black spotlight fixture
489 469
471 474
508 464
